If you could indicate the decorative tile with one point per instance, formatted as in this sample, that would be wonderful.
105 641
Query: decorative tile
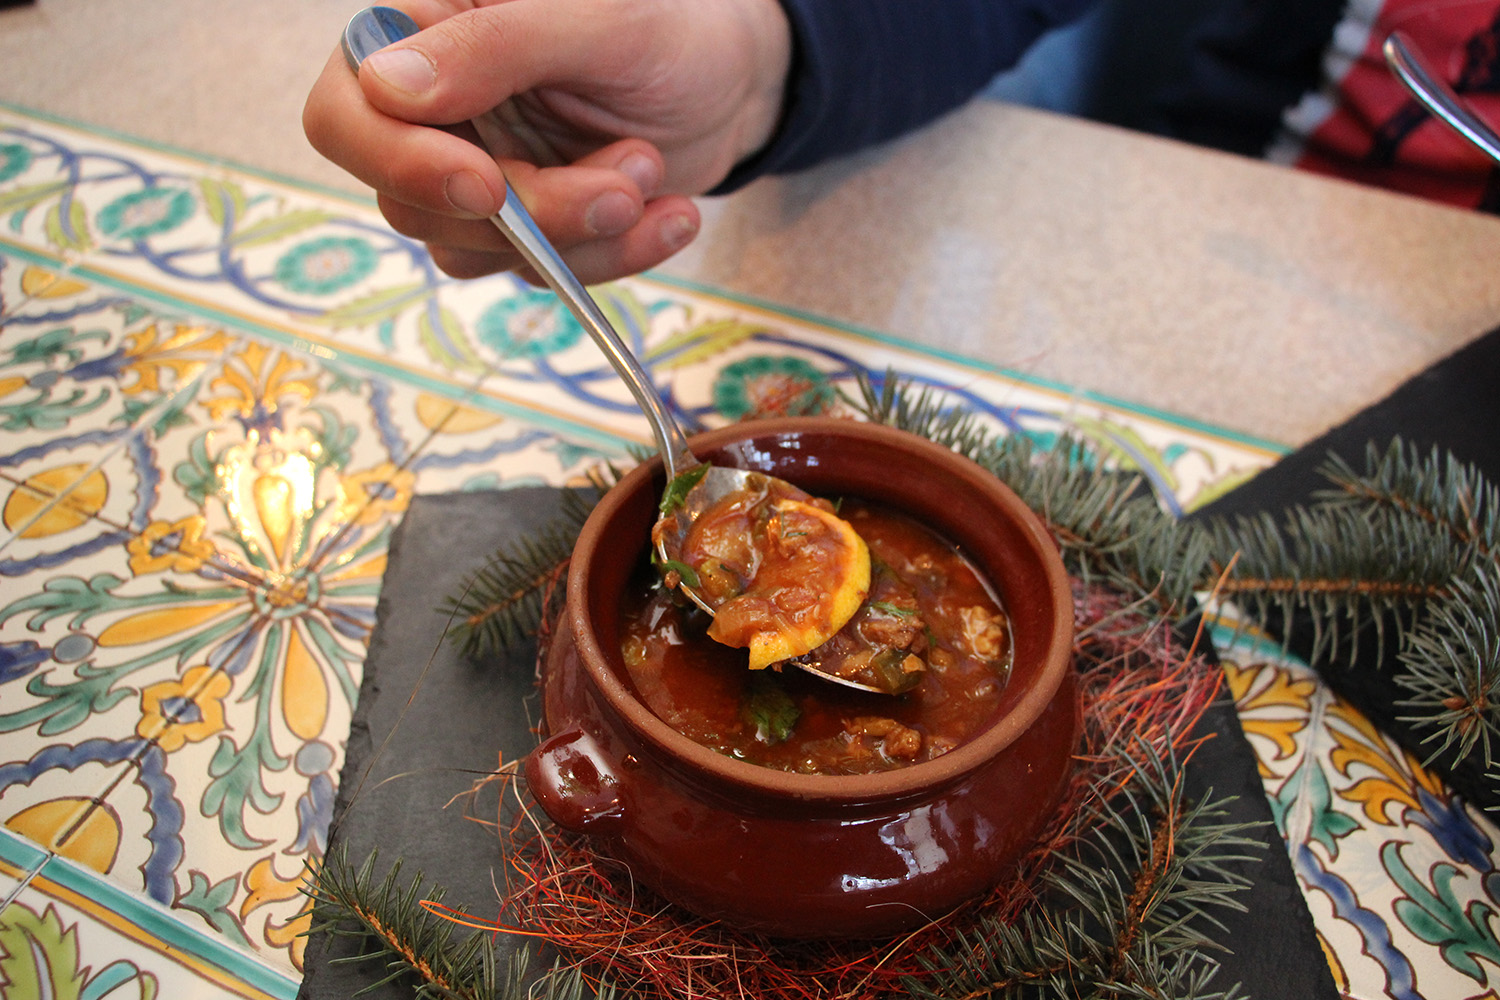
69 933
20 861
38 176
91 382
55 798
1399 873
301 265
44 295
449 444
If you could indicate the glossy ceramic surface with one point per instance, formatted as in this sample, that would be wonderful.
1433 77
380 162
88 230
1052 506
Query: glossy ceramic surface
800 854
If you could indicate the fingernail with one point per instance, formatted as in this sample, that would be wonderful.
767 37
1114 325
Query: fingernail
610 213
643 170
467 192
406 69
677 231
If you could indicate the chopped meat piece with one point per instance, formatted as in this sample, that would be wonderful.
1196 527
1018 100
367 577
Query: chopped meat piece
898 742
984 631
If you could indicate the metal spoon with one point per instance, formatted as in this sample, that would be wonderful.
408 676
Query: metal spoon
376 27
1439 98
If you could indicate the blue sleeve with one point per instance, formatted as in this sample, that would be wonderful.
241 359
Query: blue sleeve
864 71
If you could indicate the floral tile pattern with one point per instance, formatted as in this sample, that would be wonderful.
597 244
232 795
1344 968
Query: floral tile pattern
219 392
1399 873
65 932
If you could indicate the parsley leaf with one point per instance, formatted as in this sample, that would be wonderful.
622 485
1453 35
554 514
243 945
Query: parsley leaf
678 489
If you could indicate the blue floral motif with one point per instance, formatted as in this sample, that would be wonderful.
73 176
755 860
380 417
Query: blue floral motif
327 265
18 659
768 385
529 324
147 212
314 761
14 159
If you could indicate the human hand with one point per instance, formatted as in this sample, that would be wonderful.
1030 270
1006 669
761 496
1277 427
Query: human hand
605 115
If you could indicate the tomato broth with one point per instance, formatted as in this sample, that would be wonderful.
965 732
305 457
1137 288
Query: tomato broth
929 613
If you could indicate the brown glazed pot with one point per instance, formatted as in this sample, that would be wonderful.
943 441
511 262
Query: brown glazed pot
806 855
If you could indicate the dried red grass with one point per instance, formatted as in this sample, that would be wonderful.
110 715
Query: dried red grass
1140 685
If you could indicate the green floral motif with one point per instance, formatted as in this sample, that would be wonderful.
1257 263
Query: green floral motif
327 265
40 958
1448 913
14 159
214 902
1308 787
530 324
147 212
50 400
1123 445
765 386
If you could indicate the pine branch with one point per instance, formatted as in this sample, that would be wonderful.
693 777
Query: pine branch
924 412
1377 548
1412 543
1453 496
1347 571
1451 669
1110 528
1106 521
411 942
399 933
1126 913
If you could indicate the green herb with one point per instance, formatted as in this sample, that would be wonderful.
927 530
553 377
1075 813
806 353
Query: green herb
893 609
678 489
769 709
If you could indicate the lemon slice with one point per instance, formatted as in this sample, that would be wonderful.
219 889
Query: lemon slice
813 575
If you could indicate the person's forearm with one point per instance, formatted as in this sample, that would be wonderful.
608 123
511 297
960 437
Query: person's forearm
863 71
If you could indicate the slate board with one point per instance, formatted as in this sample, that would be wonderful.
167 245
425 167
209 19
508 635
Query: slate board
1455 406
464 714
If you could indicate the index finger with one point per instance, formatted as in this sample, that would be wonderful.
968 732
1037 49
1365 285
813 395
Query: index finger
419 165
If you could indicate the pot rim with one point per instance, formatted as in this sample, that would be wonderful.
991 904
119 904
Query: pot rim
720 770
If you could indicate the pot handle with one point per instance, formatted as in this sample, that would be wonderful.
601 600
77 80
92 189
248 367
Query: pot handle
575 783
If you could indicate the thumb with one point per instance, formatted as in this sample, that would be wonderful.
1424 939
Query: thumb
460 67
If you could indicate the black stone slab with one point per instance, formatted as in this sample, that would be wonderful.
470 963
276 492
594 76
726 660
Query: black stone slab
463 715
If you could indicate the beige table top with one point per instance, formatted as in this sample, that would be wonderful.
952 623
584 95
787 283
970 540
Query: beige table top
1222 289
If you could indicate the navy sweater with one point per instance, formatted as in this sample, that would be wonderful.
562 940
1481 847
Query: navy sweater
864 71
867 70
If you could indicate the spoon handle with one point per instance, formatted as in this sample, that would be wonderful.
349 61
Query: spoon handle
1439 98
521 229
376 27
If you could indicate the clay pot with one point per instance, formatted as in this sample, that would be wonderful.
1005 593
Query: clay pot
806 855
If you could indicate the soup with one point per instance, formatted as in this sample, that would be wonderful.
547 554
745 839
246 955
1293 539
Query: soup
781 570
930 622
